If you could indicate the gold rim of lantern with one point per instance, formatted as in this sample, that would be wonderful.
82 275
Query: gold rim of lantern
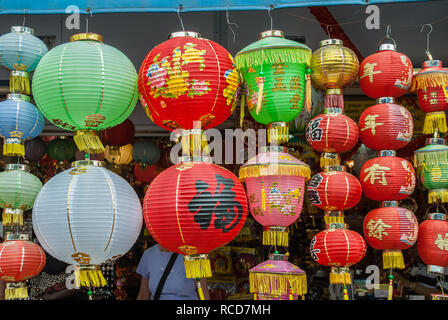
18 96
278 169
271 33
17 166
334 217
328 42
88 36
179 34
12 217
22 29
94 163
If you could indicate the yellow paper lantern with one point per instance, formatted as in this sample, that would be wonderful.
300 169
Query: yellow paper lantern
119 157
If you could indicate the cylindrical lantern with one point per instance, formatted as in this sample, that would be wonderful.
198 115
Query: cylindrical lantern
145 173
275 70
35 149
87 216
18 190
334 67
146 152
275 183
392 229
192 208
85 86
19 120
118 135
386 126
20 260
122 157
21 51
62 149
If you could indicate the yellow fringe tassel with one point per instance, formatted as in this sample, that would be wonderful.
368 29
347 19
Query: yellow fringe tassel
430 80
114 152
242 106
393 259
433 121
198 268
434 158
260 97
274 170
13 149
90 278
439 195
19 84
340 278
16 293
275 238
277 283
11 219
325 161
333 219
278 134
88 141
308 101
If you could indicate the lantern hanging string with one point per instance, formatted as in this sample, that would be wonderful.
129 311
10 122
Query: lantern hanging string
180 18
24 17
229 25
271 7
88 10
329 30
428 54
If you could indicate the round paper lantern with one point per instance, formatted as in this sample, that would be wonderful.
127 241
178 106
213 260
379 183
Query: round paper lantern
19 120
20 260
119 157
145 173
119 135
387 178
331 133
386 126
431 243
430 83
339 248
81 155
334 68
35 149
387 73
101 220
85 86
192 208
146 152
62 149
274 70
275 183
391 229
21 51
18 189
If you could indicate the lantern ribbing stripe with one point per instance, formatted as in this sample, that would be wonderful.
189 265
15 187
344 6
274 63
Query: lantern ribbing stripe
219 71
22 259
68 211
177 207
114 207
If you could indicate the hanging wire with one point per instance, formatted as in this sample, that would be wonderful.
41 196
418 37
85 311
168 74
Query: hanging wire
180 18
428 54
229 25
329 30
271 7
88 10
24 17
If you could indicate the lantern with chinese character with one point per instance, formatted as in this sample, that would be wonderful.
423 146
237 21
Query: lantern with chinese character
19 120
276 278
274 72
122 157
101 220
18 189
62 149
275 183
386 126
146 152
118 136
432 242
391 229
85 86
332 133
334 67
20 260
192 208
21 51
431 85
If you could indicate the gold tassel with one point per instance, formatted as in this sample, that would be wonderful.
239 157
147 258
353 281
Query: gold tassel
333 219
340 278
438 195
329 161
242 106
12 217
393 259
278 283
273 55
308 101
434 158
88 141
13 150
430 80
433 121
114 152
197 268
275 238
90 278
278 134
274 170
19 82
260 96
15 291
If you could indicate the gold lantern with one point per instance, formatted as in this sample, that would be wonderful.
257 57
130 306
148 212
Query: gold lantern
123 157
334 67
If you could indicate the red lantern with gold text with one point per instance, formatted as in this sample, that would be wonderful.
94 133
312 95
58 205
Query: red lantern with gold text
192 208
20 260
145 173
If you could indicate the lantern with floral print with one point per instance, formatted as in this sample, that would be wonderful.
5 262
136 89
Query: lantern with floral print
386 126
192 208
274 70
20 260
332 133
275 183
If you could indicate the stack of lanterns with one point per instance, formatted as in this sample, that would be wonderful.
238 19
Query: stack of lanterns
387 127
275 74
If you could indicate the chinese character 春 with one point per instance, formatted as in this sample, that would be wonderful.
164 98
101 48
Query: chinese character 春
376 172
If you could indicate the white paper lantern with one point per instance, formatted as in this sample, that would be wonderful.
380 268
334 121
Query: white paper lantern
87 216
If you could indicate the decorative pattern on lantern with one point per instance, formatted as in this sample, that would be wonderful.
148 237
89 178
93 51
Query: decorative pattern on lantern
276 278
386 126
18 189
35 149
121 157
19 120
192 208
431 85
20 260
334 67
101 220
332 133
20 52
118 136
391 229
146 152
85 86
275 183
274 70
62 149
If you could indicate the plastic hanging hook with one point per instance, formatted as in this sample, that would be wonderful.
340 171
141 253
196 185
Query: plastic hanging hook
428 54
229 25
329 31
180 19
271 7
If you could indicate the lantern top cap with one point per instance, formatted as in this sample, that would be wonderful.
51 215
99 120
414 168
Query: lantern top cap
328 42
271 33
387 46
17 166
94 163
179 34
388 204
15 96
87 37
21 29
432 63
437 216
335 168
387 153
334 226
385 100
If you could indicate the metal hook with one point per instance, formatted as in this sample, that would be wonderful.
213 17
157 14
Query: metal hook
88 10
388 31
24 17
180 19
230 23
271 7
388 37
428 54
328 31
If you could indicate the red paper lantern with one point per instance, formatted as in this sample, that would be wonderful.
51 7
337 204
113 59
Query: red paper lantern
387 178
119 135
386 126
186 79
432 242
334 190
145 173
192 208
386 73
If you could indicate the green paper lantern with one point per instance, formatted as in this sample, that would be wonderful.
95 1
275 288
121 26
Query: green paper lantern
275 73
85 86
61 149
18 190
